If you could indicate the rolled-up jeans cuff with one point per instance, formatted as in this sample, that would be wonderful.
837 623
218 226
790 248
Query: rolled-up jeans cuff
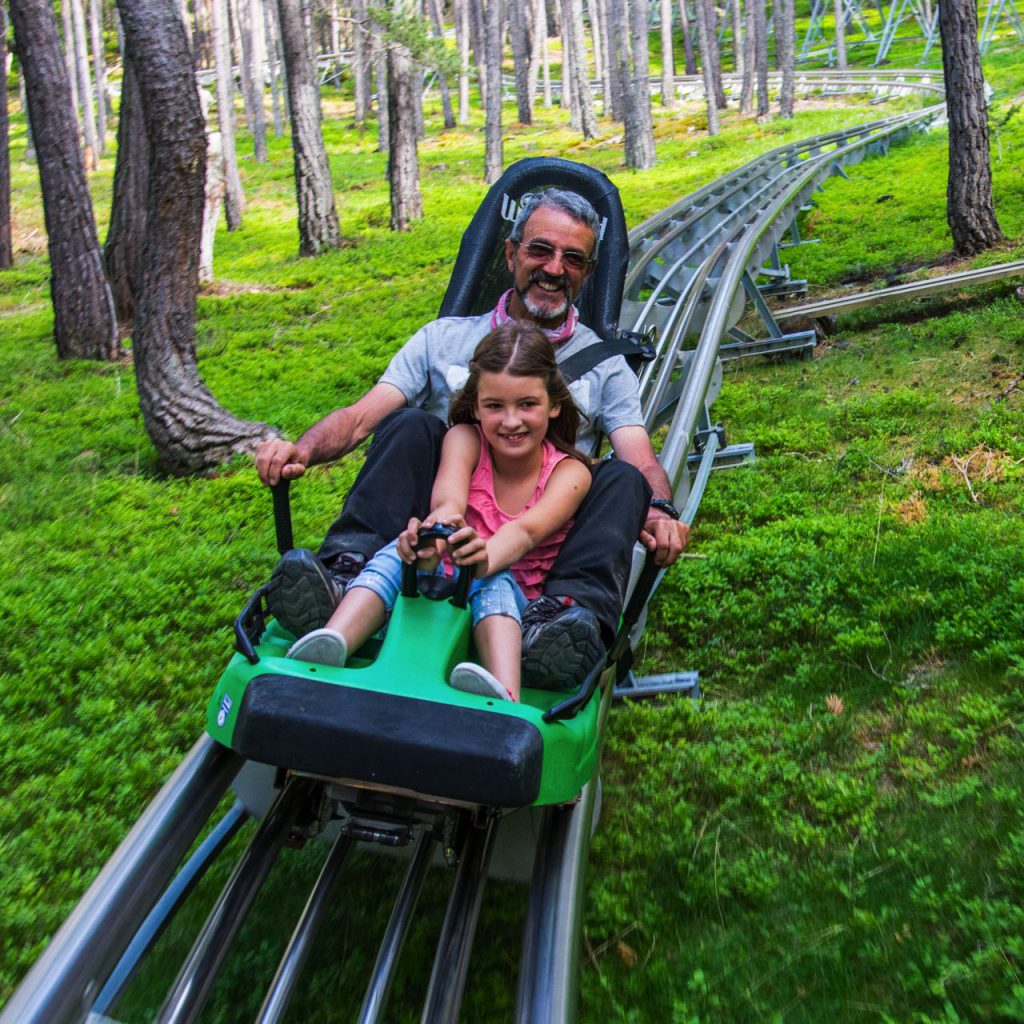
497 595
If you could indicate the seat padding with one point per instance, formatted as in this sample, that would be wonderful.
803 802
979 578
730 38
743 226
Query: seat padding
455 753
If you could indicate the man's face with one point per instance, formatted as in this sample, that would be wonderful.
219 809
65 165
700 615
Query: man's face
548 266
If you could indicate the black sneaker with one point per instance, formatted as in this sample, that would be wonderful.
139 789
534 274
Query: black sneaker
561 643
302 595
344 568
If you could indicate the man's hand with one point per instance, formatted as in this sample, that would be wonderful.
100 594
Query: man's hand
278 459
665 537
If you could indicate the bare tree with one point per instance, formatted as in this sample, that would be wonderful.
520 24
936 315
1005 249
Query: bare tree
519 38
6 249
668 62
704 31
583 105
85 91
84 323
969 206
403 165
785 54
234 197
840 14
122 252
192 433
493 26
760 55
318 220
684 23
630 30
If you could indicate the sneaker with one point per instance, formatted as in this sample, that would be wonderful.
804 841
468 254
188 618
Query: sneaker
471 678
344 568
302 595
561 643
321 647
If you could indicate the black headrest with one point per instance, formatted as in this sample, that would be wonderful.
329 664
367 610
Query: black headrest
480 275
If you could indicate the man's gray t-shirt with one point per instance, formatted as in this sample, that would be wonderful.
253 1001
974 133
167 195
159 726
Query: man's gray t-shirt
434 364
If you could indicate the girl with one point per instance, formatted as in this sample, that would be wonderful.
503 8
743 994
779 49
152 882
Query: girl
510 481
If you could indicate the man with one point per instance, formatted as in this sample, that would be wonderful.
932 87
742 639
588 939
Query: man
551 251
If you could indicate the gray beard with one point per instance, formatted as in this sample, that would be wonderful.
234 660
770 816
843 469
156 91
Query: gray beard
542 312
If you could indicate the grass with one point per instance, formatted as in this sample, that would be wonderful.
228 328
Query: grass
835 831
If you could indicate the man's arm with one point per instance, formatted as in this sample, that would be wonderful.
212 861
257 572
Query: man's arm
661 533
335 435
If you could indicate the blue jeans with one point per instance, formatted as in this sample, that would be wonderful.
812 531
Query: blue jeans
493 595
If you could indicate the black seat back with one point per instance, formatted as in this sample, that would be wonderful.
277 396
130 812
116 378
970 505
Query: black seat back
480 274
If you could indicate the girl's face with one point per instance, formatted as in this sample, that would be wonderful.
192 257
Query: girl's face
513 412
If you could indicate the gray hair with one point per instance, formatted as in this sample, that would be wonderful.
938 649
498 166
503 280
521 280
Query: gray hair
571 203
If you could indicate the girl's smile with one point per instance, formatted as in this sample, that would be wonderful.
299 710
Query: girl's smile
513 412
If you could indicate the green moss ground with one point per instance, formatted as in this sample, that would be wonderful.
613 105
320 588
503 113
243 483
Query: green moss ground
761 857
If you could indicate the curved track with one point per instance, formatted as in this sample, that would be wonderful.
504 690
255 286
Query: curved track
693 267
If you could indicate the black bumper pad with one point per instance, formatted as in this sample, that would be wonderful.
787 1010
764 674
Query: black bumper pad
436 749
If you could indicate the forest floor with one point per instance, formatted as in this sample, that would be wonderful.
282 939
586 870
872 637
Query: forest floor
835 832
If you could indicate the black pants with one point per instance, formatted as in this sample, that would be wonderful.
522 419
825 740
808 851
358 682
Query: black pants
395 484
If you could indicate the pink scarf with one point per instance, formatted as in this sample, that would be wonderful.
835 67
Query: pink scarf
556 336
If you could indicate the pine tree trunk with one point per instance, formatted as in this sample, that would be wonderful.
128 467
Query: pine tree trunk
6 250
461 14
479 47
969 206
639 128
713 51
749 60
545 53
738 59
84 322
318 220
403 165
519 38
703 32
566 96
583 101
596 19
276 104
612 83
493 26
234 197
668 63
361 74
785 55
69 57
442 80
380 72
191 432
122 253
687 27
252 77
840 15
30 145
761 55
85 93
99 63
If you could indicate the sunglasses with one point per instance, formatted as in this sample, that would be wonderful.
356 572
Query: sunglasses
542 252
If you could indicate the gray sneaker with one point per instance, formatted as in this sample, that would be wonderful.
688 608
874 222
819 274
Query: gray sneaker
302 595
561 643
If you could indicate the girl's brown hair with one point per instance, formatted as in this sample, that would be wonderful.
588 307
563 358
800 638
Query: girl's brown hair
520 348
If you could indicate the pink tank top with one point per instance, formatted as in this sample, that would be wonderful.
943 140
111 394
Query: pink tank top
484 515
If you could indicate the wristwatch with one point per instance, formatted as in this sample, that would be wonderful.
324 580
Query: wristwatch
662 505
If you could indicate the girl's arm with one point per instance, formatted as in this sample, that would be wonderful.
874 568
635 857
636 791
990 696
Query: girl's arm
566 488
460 452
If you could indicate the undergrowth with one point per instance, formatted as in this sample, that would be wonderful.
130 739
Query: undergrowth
834 831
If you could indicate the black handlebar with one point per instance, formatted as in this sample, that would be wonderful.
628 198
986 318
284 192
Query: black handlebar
409 589
282 516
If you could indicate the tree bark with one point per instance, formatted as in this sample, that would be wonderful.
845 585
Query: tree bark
191 432
234 197
668 63
519 38
85 90
760 55
688 56
596 29
493 25
403 165
840 14
252 76
122 253
969 207
361 75
713 51
6 249
703 32
318 220
84 322
583 102
276 105
638 136
785 55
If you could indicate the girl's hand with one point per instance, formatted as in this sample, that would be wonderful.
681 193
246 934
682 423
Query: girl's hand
406 544
410 551
469 550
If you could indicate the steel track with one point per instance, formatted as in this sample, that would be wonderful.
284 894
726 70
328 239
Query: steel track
692 268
